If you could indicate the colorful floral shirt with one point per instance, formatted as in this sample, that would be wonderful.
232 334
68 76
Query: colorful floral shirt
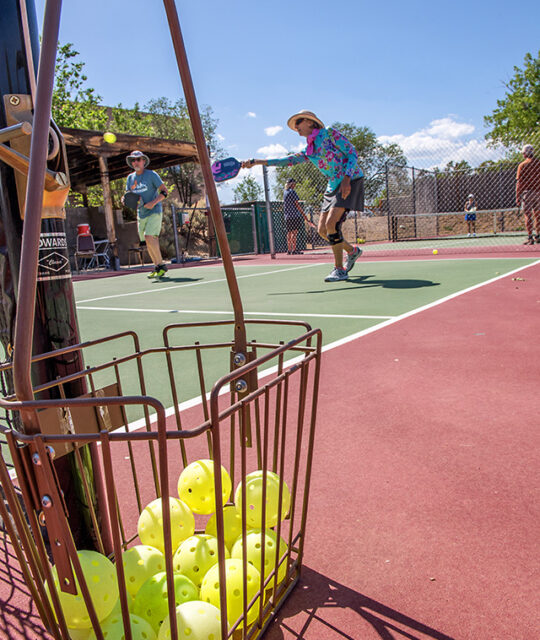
332 154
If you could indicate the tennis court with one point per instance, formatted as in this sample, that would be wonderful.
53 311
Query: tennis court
377 292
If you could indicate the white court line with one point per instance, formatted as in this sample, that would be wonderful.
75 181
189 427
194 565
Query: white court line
138 424
230 313
196 284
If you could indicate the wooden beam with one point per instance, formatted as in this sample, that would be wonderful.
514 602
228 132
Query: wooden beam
107 204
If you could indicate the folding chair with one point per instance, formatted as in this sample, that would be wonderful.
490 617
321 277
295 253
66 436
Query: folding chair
85 251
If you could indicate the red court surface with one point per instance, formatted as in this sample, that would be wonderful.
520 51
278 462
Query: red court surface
424 509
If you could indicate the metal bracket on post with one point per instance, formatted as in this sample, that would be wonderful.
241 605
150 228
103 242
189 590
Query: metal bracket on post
19 116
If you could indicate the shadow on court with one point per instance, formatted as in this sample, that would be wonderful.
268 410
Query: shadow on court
173 279
321 607
364 282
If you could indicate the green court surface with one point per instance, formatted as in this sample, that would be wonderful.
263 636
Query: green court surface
376 292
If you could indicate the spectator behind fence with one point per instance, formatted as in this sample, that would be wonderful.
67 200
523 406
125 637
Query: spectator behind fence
470 215
293 214
528 192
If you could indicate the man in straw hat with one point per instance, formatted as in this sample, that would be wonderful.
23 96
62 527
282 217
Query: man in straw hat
151 191
336 158
528 192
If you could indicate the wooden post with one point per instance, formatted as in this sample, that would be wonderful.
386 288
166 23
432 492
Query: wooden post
107 205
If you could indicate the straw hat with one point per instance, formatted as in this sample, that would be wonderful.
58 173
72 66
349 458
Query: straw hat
137 154
304 114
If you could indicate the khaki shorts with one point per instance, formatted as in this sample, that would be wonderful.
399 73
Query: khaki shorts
149 225
530 202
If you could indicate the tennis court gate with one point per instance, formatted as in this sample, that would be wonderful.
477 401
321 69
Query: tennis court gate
422 203
194 237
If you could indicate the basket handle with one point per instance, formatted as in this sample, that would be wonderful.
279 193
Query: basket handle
240 342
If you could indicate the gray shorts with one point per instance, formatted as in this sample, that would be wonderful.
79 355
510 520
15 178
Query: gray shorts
353 202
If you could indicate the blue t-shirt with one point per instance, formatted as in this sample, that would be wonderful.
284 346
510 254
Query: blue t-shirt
146 185
290 198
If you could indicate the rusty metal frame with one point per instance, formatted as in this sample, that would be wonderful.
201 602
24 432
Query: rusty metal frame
271 420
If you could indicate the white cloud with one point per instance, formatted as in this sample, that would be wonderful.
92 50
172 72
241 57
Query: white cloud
272 150
449 129
251 114
220 137
298 147
272 131
443 140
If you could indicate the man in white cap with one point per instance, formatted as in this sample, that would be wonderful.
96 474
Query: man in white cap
336 158
151 191
528 192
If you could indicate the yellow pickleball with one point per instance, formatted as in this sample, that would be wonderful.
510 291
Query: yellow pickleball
196 555
109 137
196 620
232 525
140 563
254 500
254 552
150 524
196 486
100 576
234 574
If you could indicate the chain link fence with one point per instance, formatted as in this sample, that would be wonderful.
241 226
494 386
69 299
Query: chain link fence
425 204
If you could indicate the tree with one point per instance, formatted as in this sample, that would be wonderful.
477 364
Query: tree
73 104
247 190
76 105
517 115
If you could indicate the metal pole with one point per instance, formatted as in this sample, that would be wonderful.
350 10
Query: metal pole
107 205
210 185
269 213
254 227
387 200
175 233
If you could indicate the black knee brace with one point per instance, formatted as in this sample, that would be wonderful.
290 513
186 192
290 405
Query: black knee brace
337 237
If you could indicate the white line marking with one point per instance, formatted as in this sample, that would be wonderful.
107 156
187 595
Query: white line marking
230 313
140 423
195 284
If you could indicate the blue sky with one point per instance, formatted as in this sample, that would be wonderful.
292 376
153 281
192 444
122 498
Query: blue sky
414 72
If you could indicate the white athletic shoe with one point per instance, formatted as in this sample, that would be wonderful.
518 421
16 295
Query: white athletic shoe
352 258
337 275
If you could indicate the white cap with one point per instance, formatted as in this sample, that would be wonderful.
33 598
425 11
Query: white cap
471 195
528 150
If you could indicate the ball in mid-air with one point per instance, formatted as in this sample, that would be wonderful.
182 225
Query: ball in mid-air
435 252
150 525
196 486
109 137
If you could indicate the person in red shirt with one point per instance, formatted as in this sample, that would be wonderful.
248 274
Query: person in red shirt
528 192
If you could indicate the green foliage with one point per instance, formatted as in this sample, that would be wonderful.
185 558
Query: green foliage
78 106
518 114
247 190
73 104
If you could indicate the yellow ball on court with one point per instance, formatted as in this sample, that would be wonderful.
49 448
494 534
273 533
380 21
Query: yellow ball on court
435 252
109 137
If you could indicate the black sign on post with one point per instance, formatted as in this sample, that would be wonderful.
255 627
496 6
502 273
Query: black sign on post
55 324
